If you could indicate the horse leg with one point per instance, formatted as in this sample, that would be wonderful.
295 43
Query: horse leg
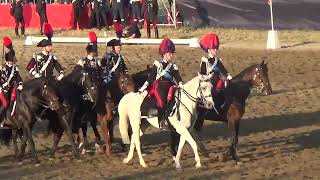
234 140
234 115
22 146
31 144
93 123
56 140
105 133
15 144
202 148
63 121
110 129
184 133
178 155
174 142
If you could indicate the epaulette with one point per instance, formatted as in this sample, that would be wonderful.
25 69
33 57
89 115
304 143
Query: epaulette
81 62
37 56
204 59
17 69
156 63
175 67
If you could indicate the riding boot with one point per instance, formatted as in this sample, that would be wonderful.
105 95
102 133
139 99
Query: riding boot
2 110
156 32
162 119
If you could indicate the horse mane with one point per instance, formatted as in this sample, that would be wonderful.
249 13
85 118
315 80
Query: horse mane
244 72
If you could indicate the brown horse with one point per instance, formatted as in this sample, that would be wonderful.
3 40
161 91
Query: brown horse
232 107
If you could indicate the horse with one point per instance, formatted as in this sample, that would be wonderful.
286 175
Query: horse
235 96
33 99
197 90
75 90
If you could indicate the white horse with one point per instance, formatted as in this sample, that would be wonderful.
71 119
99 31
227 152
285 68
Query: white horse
197 90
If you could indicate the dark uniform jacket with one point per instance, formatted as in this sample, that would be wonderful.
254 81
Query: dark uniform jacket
11 75
115 63
41 6
17 9
78 3
44 65
92 67
162 70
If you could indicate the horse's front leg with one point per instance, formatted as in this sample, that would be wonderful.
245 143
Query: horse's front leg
15 144
63 116
234 115
56 139
23 146
102 118
31 144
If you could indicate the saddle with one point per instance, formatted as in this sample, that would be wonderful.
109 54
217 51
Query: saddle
150 103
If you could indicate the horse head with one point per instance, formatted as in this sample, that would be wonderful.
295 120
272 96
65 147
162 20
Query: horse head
50 95
260 79
125 83
205 91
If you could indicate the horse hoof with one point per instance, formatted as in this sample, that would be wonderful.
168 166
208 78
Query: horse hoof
80 145
37 165
173 158
178 166
198 165
125 161
83 152
144 165
51 159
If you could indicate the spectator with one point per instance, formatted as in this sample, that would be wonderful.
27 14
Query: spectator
41 9
132 31
78 7
16 11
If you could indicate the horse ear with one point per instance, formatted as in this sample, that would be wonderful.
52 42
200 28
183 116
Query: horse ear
262 63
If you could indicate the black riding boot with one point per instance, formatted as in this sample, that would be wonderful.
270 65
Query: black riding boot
162 119
2 110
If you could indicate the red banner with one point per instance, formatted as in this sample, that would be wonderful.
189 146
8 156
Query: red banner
59 16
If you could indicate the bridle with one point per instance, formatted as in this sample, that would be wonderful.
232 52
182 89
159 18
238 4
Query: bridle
261 84
87 95
52 100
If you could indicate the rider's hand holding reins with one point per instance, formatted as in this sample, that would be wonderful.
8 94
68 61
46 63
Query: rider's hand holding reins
180 85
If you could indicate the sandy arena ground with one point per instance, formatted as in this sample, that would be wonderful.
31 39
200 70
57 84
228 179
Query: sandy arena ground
279 134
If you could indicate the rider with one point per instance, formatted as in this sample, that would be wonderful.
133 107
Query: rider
10 80
212 64
42 64
114 61
91 64
163 75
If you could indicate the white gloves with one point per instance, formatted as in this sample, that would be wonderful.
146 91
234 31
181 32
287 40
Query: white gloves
36 75
143 88
229 77
20 87
180 86
4 85
60 77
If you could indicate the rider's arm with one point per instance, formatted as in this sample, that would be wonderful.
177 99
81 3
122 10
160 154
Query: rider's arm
124 67
18 80
31 67
58 66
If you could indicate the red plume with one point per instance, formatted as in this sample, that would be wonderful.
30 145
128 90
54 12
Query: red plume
92 37
47 30
209 40
6 41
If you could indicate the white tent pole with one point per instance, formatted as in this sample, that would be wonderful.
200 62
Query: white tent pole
168 12
174 14
271 14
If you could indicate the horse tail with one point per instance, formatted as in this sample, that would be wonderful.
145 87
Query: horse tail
123 120
5 136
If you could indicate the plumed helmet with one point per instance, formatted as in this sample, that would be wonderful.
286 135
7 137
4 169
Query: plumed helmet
44 43
166 46
47 30
209 41
114 42
92 47
10 55
6 41
93 37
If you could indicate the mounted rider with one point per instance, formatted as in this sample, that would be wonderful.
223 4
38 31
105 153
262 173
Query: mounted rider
11 80
114 61
43 64
91 63
212 64
163 76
